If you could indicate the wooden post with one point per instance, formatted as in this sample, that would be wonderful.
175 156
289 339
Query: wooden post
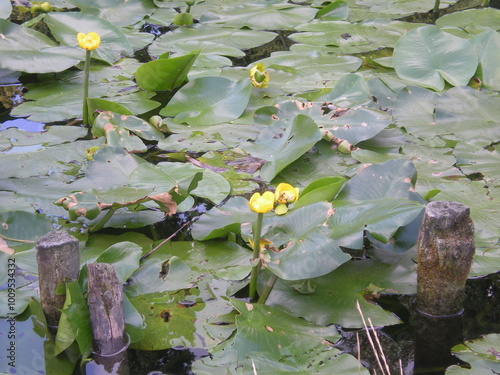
445 251
58 257
105 300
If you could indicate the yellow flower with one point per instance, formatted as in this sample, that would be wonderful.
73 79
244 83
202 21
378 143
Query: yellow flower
286 193
259 76
263 242
89 41
262 203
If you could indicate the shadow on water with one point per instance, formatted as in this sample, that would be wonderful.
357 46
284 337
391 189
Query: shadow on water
422 344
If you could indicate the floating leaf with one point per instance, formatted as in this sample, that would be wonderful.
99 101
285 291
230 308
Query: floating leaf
282 143
428 57
165 74
482 356
26 50
301 248
336 294
209 101
323 189
66 25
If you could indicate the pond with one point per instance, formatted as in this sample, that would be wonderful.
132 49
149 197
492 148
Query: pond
256 174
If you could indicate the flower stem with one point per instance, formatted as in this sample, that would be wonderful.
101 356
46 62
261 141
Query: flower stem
256 251
267 289
86 71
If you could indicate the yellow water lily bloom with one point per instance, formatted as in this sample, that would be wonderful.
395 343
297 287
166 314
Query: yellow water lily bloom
263 242
259 76
286 193
262 203
88 41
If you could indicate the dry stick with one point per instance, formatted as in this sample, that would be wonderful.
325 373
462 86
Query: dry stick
401 366
164 241
380 347
370 338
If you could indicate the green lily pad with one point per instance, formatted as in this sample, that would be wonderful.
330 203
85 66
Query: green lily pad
380 217
323 189
487 45
74 323
414 110
336 294
349 91
282 143
165 74
220 221
475 121
26 50
307 250
206 138
209 101
428 57
337 10
23 225
472 21
267 329
392 179
263 16
66 25
236 38
482 356
115 128
5 8
124 256
475 159
122 13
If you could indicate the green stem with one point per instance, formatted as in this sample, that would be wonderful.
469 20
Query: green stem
256 251
436 6
105 219
267 289
86 71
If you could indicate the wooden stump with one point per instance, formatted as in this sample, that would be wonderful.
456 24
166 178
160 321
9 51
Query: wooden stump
105 300
445 251
58 258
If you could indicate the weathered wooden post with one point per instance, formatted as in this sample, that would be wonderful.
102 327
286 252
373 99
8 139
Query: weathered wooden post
105 300
58 257
445 250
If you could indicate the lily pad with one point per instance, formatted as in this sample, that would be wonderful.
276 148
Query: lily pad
301 248
482 356
336 294
165 74
487 45
209 101
30 51
282 143
428 57
66 25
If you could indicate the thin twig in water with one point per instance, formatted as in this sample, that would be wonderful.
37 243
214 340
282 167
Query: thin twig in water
370 339
380 347
164 241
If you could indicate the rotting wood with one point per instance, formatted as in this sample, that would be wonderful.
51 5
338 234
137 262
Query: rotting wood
445 250
105 300
58 258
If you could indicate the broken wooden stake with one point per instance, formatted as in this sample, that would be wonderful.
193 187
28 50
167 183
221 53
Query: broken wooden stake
445 251
105 300
58 258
